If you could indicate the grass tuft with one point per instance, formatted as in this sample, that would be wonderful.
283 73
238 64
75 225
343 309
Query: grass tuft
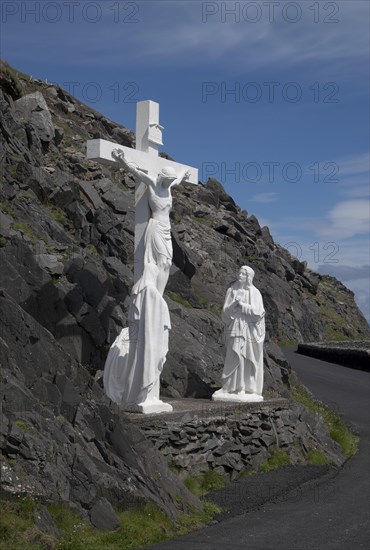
7 209
316 457
58 215
140 526
27 231
338 430
277 460
17 528
202 484
24 426
179 299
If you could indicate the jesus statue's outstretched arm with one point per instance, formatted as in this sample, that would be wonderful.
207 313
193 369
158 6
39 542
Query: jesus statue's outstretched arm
138 174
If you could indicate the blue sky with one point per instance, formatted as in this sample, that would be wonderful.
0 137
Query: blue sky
270 98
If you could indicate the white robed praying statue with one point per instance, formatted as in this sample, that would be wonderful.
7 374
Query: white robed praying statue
244 317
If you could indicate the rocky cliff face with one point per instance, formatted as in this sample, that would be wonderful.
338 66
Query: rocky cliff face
66 253
61 438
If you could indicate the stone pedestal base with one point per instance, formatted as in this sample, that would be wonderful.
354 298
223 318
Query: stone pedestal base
240 397
150 407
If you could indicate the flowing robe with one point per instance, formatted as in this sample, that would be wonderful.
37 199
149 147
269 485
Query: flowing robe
136 358
244 334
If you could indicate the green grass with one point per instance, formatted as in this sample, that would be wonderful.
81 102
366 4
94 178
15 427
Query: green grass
338 430
176 217
138 527
197 519
202 484
209 222
26 230
213 307
91 248
216 309
333 321
335 335
24 426
277 460
255 261
271 394
7 209
10 82
17 528
12 168
293 378
316 457
248 472
286 343
179 299
203 301
58 215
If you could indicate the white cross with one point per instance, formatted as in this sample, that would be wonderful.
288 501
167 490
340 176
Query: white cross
146 157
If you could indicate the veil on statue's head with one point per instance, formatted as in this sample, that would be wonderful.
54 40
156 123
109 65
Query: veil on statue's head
248 270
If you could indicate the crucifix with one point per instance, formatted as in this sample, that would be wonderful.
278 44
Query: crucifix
146 157
136 358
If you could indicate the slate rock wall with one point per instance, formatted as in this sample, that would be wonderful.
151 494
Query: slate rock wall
237 441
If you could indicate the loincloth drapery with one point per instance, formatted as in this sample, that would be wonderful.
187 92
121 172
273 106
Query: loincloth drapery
158 243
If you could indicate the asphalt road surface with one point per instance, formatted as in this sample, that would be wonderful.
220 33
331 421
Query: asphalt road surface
330 513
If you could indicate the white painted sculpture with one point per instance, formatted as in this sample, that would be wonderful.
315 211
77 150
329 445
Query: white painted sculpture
244 317
157 239
136 358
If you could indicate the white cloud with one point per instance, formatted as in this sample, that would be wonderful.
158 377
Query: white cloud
182 32
173 34
345 272
353 174
264 197
346 219
354 165
350 174
354 192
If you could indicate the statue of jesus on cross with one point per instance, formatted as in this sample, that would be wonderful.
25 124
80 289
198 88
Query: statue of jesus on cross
136 358
157 243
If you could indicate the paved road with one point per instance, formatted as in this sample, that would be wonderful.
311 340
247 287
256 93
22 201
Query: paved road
332 513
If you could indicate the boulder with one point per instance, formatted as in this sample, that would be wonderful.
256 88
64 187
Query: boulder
32 108
102 515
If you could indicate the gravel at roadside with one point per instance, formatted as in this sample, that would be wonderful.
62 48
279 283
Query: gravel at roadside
289 483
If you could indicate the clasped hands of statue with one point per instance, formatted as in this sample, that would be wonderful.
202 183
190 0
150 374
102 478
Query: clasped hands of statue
247 309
